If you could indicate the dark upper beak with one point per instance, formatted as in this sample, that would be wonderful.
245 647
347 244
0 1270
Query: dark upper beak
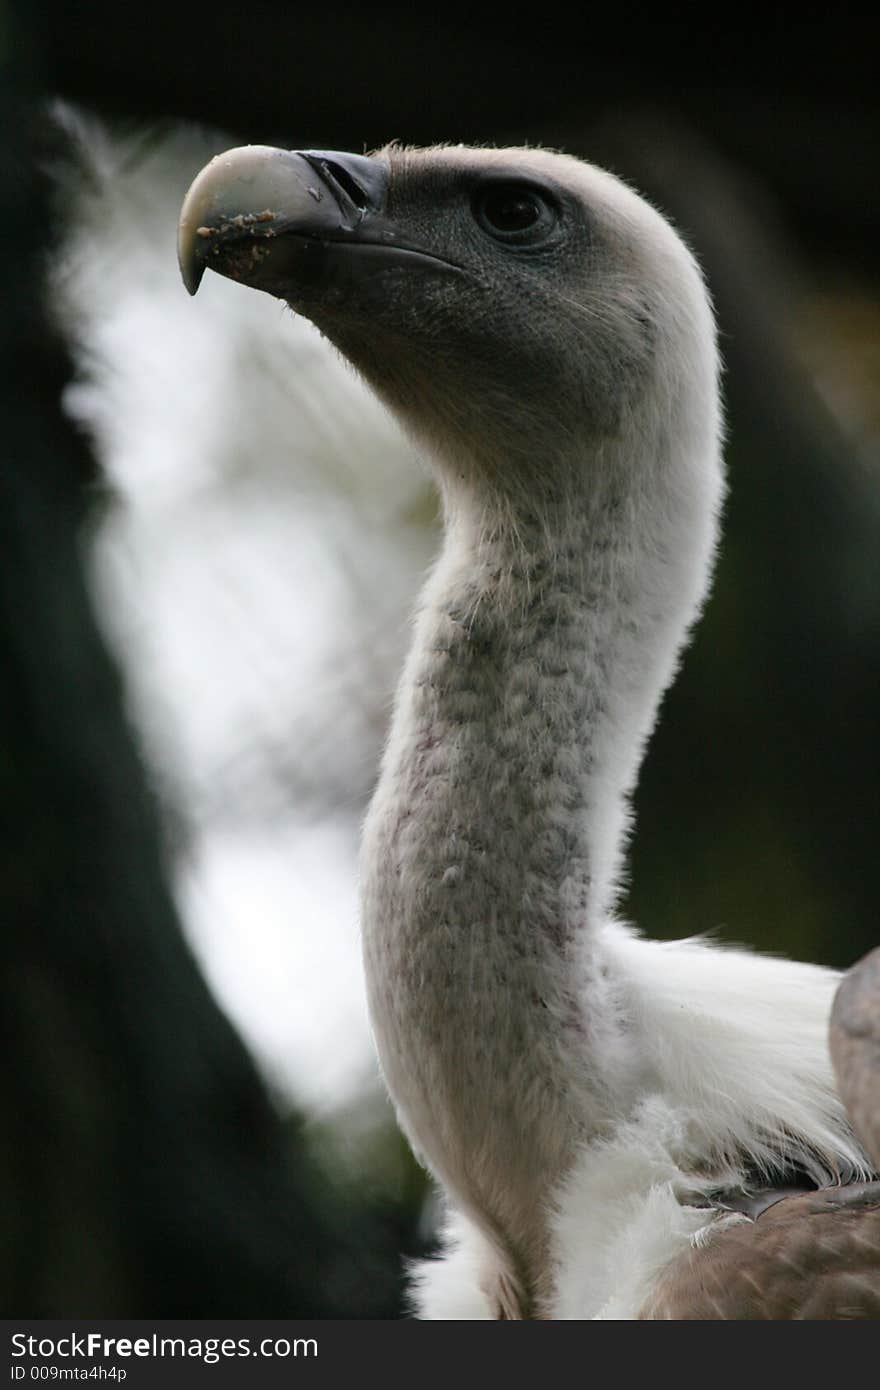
260 215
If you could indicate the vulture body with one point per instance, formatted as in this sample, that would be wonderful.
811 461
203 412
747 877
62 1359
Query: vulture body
596 1106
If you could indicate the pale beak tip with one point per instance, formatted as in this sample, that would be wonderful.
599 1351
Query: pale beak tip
192 265
191 273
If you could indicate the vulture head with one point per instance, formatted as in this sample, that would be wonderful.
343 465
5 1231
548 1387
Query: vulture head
516 308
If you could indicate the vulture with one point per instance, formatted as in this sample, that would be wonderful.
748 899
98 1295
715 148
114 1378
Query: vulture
622 1128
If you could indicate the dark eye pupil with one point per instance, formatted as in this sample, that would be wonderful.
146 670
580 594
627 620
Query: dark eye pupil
509 210
514 213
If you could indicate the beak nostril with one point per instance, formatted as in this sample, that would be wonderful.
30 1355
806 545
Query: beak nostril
360 180
346 183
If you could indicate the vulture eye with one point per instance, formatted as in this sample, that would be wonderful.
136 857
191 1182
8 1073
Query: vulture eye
514 212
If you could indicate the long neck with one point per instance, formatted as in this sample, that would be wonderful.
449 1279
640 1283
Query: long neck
492 845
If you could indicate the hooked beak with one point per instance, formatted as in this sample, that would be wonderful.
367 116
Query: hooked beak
283 220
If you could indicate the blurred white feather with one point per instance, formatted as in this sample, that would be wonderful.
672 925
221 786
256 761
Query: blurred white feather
264 532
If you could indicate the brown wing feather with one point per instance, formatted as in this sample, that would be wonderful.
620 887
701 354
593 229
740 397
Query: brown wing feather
812 1256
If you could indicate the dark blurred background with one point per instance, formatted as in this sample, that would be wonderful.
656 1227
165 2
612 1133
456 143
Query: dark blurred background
146 1171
